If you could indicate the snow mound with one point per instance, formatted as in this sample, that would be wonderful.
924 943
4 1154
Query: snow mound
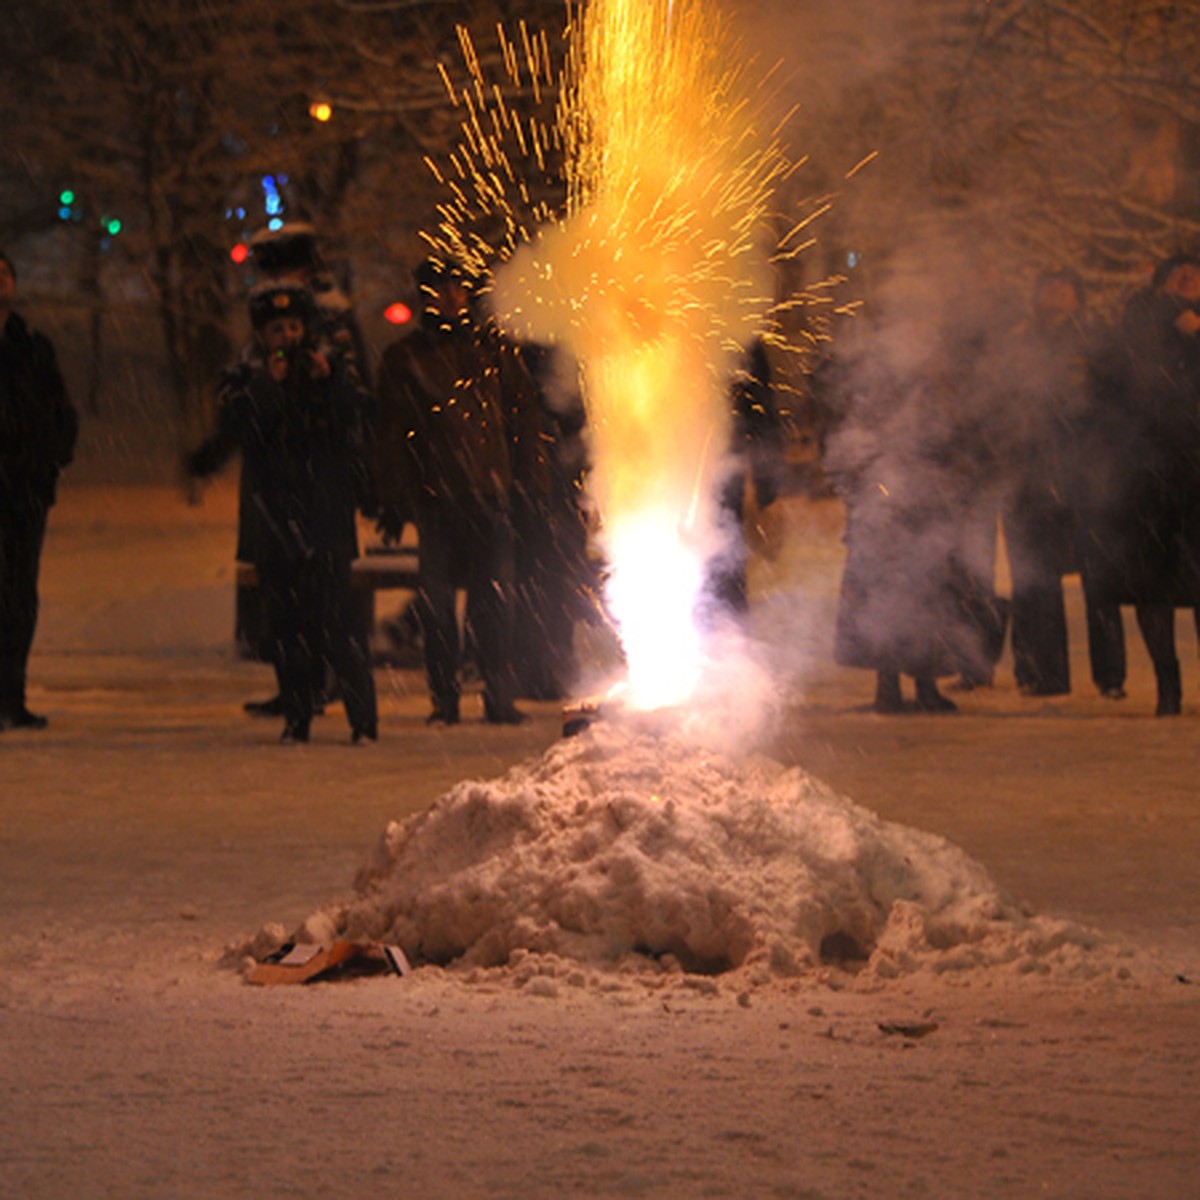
626 841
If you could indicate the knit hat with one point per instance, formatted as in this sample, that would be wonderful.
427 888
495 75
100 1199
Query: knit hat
283 299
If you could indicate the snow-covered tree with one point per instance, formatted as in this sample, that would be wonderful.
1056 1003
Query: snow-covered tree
1050 131
195 121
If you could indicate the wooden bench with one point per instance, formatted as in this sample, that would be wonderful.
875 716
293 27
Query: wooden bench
382 568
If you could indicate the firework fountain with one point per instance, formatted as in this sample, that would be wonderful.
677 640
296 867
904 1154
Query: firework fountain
655 279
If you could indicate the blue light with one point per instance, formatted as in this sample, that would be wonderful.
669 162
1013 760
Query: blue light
64 213
268 183
241 213
274 204
852 259
275 223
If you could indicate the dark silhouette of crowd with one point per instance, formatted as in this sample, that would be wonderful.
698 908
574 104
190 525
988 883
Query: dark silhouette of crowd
1079 441
456 438
946 427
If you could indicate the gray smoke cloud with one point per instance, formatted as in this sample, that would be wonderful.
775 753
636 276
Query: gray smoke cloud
934 389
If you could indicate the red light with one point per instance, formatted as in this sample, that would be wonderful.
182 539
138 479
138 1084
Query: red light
398 313
240 253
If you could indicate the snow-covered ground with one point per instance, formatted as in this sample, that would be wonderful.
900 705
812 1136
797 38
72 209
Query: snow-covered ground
153 825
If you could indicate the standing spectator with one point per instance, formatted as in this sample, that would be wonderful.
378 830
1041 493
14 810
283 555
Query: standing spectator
38 429
758 454
446 429
1046 402
892 457
300 420
1045 472
549 524
1143 528
292 254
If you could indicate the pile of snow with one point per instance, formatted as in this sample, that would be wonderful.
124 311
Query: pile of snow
631 841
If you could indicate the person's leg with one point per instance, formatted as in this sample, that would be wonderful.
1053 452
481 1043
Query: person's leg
929 699
1106 641
20 561
1041 663
288 599
347 651
490 615
975 552
887 692
439 621
1039 639
1157 623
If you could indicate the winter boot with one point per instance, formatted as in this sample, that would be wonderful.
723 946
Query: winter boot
1170 689
930 700
887 693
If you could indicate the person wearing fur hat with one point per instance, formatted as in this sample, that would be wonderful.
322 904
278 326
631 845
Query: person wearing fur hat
292 253
300 419
38 429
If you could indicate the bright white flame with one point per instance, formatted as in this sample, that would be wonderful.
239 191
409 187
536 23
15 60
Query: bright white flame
656 577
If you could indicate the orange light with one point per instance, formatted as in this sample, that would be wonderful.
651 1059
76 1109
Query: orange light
240 253
320 110
398 313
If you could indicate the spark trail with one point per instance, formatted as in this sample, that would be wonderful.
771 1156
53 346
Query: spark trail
655 277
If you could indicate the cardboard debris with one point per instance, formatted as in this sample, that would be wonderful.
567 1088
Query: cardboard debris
304 962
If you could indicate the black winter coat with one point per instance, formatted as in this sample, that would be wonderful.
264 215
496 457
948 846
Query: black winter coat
1049 477
459 424
38 424
303 444
1141 538
907 602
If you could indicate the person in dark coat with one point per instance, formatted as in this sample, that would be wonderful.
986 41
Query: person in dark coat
38 430
1143 529
447 422
757 453
1049 406
555 583
292 253
301 421
891 456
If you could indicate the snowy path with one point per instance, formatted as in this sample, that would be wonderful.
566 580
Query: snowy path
153 823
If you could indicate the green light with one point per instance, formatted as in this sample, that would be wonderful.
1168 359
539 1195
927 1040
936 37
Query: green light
113 226
67 197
